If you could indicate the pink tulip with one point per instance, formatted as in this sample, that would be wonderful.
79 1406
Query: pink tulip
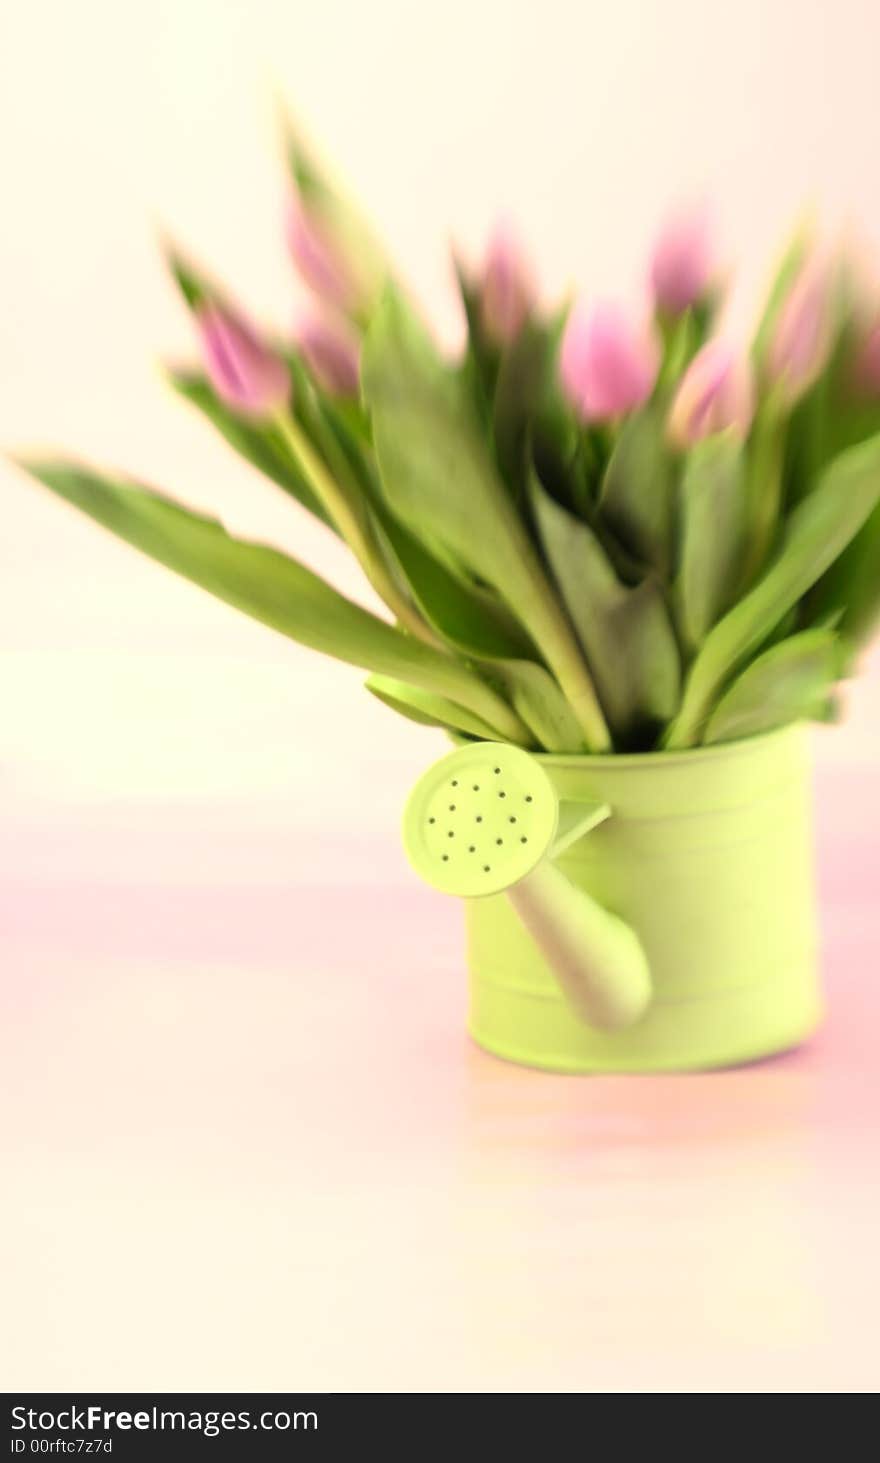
716 394
607 365
322 261
683 263
244 372
506 289
331 355
800 342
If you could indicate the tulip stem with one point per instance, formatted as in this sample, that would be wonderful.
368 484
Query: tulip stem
764 488
354 527
677 333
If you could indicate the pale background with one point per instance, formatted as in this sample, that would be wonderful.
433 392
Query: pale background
246 1145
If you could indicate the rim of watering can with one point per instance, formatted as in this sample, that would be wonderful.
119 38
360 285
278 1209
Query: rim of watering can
719 752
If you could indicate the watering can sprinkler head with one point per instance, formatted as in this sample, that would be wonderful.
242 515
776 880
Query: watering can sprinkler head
486 820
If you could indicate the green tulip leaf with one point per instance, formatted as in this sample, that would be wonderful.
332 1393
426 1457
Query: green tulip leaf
538 701
528 401
712 499
428 710
271 588
787 271
790 682
469 618
479 368
835 412
816 534
439 479
625 630
637 498
851 588
194 285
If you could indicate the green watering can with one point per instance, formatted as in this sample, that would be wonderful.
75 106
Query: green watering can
628 913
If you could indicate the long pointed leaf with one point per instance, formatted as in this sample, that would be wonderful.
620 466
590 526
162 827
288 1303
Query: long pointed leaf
439 479
786 271
428 710
468 618
527 397
479 369
818 531
637 500
471 619
858 585
851 588
626 631
790 682
270 587
713 534
538 701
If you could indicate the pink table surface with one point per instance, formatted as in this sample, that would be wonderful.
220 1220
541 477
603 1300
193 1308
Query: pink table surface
246 1144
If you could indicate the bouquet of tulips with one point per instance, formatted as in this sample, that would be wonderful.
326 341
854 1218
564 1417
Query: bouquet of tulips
589 534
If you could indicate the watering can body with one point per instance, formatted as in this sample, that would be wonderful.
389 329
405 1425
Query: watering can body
706 857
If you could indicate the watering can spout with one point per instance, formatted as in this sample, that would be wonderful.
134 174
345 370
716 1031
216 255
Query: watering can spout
597 959
484 820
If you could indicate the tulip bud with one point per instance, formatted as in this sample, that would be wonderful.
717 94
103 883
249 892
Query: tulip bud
682 265
506 290
715 394
346 278
244 372
331 355
800 340
332 244
607 365
317 258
